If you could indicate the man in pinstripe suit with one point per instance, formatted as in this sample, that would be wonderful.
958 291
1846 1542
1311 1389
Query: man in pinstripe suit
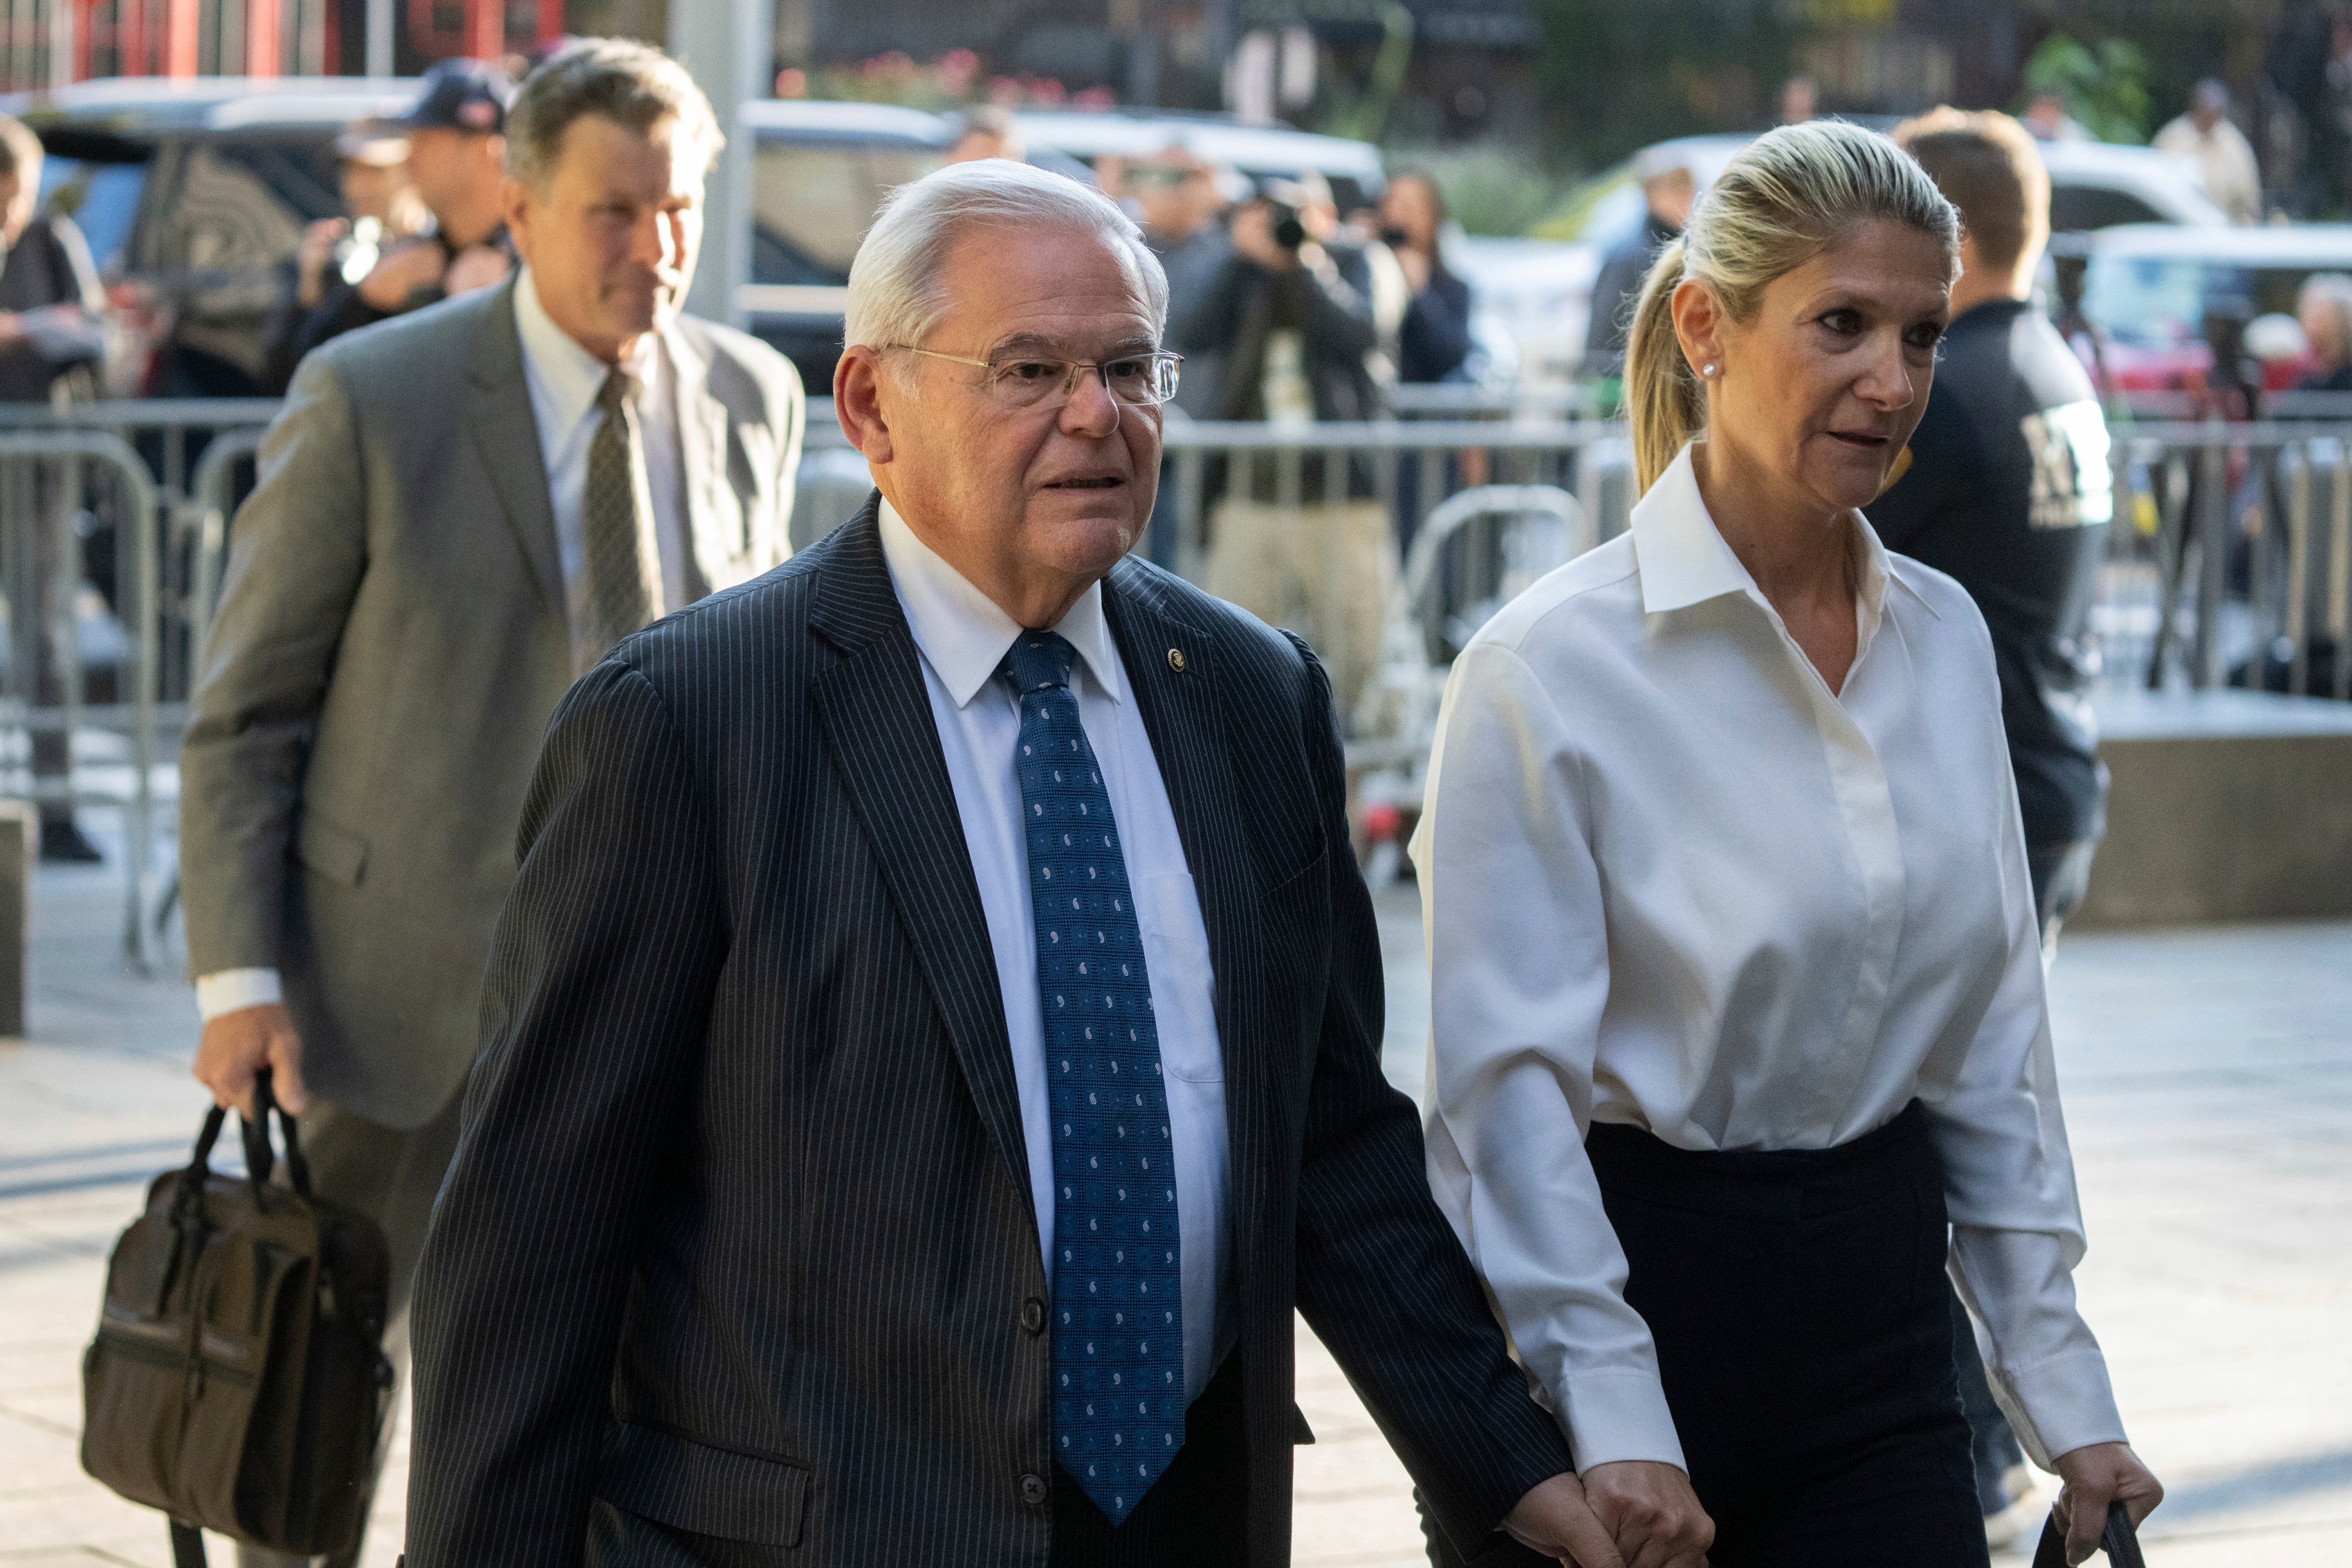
932 1045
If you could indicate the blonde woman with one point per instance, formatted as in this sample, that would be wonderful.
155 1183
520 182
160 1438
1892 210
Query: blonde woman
1737 997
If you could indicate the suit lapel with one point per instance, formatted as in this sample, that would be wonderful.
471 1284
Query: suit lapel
715 530
1173 668
877 722
497 419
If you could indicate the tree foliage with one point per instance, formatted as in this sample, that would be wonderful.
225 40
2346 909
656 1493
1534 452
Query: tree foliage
1617 75
2106 87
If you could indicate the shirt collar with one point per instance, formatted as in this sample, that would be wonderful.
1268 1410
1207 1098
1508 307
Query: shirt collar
964 633
567 373
1684 560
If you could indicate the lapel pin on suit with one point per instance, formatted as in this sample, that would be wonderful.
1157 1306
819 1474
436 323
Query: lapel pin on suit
1176 660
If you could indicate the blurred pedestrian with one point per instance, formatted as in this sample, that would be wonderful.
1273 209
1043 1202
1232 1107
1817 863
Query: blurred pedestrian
1668 189
1178 200
1177 204
2324 305
52 339
2047 119
2206 137
456 160
1297 320
987 130
1739 1036
381 209
990 131
1433 344
1800 101
2009 492
456 515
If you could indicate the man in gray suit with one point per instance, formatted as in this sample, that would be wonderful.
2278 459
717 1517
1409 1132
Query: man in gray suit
459 512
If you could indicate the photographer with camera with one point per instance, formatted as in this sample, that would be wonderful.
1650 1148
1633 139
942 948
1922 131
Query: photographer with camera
457 157
381 210
1297 328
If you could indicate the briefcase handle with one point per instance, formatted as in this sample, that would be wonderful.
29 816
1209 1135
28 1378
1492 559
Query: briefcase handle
259 1159
2120 1540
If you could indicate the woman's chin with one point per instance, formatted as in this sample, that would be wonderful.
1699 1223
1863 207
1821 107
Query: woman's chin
1853 478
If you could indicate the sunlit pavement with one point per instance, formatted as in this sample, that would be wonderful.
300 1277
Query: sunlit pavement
2208 1089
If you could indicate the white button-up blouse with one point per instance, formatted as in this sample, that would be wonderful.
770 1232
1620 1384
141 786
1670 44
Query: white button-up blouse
1670 879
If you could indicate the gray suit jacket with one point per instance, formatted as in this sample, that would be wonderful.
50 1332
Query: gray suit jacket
390 643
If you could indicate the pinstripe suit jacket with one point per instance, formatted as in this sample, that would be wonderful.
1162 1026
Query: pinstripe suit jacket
739 1238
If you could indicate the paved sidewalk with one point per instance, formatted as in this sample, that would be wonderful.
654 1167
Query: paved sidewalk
2208 1084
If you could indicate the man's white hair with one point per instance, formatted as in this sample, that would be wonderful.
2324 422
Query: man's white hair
895 296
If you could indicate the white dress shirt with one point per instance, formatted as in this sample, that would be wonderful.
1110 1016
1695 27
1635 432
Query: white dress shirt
565 379
1672 880
964 636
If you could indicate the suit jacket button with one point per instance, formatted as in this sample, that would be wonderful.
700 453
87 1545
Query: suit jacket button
1033 1490
1032 1315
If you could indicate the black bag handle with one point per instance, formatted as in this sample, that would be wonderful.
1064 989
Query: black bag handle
2120 1540
260 1159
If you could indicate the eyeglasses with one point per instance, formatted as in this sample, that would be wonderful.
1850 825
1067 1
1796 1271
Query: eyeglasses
1138 381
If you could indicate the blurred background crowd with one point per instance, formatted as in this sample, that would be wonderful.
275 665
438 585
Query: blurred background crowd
1370 211
1483 174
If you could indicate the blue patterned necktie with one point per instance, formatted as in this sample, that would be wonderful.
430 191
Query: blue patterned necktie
1118 1309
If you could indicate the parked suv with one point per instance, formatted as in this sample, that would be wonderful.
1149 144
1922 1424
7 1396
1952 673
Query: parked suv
193 193
2161 295
1547 297
818 172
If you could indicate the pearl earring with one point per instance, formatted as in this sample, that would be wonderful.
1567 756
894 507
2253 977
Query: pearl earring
1706 369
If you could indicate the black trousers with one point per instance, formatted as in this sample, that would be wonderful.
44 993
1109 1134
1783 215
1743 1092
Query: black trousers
1804 1333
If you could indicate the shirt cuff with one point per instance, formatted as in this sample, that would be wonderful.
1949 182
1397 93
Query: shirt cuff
2061 1405
232 990
1616 1415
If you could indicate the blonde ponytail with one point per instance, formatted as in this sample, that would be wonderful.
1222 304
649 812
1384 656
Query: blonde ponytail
1787 197
1661 396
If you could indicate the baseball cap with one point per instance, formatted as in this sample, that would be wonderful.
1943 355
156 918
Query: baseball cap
462 95
373 143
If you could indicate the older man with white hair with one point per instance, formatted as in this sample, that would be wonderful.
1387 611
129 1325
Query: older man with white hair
932 1047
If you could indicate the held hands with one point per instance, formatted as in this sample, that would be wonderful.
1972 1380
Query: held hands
1630 1514
234 1046
2095 1476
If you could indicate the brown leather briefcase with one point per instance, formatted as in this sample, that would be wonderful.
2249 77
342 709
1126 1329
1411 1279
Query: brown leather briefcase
238 1380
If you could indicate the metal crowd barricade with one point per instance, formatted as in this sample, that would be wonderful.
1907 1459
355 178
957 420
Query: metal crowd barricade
2231 559
169 518
1410 467
65 454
